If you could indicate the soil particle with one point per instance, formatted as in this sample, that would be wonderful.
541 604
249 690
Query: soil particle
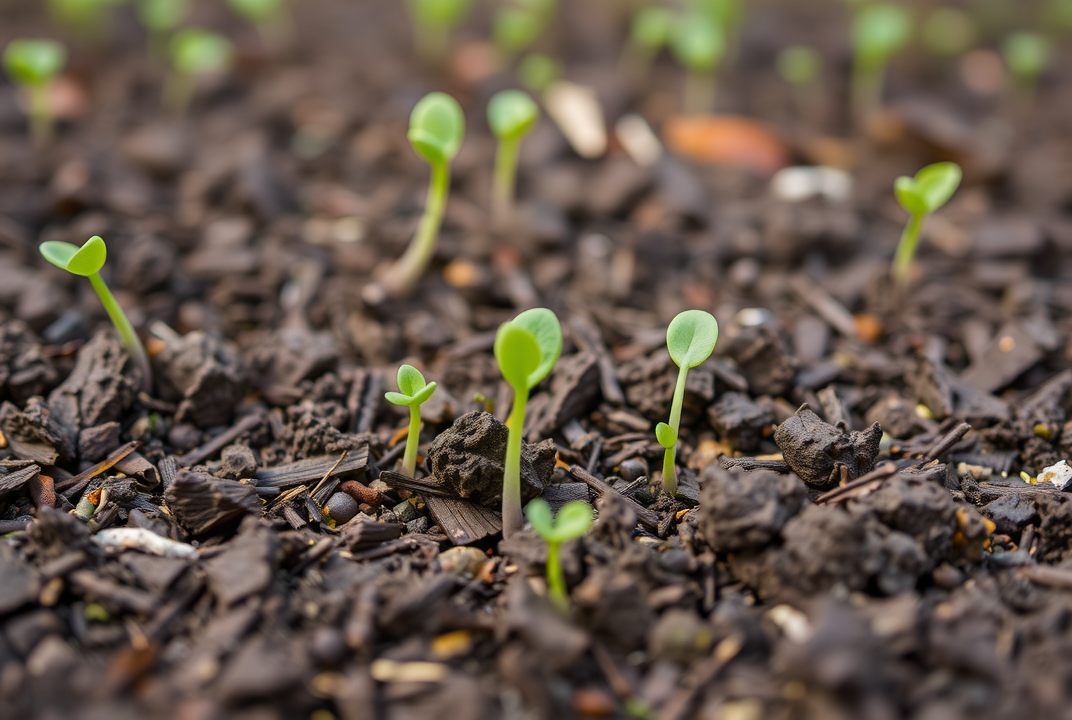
203 503
467 460
746 511
291 355
1055 529
94 443
239 463
203 375
820 452
1011 513
541 628
101 387
897 416
574 392
264 667
246 566
763 357
36 433
739 421
924 510
24 372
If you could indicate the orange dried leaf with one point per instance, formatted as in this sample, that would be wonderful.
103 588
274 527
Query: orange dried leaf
726 140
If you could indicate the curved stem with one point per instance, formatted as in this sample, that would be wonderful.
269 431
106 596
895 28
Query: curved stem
409 460
556 580
127 335
513 520
669 471
404 274
505 181
906 249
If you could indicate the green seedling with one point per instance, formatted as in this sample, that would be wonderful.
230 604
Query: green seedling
436 130
878 31
929 190
800 66
537 71
161 18
526 348
1027 55
87 262
413 392
516 28
699 44
432 22
195 54
268 16
572 522
690 338
33 64
650 31
1059 14
950 32
728 15
88 18
511 115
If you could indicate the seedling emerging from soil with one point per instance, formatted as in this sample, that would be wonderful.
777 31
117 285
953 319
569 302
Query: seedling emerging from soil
651 30
527 348
698 44
800 66
878 31
87 262
929 190
161 18
436 130
195 54
1027 55
537 71
413 392
516 28
432 23
690 338
572 522
268 16
33 64
511 115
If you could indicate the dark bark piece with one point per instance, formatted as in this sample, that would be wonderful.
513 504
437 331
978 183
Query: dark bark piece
1010 353
1011 513
264 667
204 375
649 518
558 494
135 465
746 511
817 451
931 384
99 589
589 340
649 387
763 358
363 533
246 565
101 387
739 421
202 503
751 464
574 392
15 479
155 574
353 466
24 372
96 442
462 521
36 433
291 355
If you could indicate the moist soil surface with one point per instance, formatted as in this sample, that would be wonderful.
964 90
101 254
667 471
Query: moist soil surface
853 538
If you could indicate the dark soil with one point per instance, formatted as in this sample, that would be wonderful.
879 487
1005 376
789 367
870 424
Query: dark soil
853 538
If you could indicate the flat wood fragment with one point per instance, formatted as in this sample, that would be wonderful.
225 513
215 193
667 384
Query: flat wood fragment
314 469
463 522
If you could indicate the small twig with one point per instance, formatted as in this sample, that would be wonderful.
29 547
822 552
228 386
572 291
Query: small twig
217 443
329 472
72 486
943 444
1054 577
370 403
877 475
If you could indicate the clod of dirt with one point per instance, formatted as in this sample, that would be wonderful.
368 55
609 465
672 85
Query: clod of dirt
23 370
897 416
101 387
574 392
739 421
238 462
35 434
744 511
202 503
204 374
291 355
97 441
467 460
818 451
763 358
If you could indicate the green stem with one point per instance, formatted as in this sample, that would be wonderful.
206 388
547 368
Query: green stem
669 470
867 82
556 580
906 249
699 92
404 274
512 518
409 460
505 181
41 123
127 335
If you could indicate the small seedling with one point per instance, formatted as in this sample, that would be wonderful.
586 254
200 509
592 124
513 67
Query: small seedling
268 16
33 64
1027 56
690 338
432 23
878 31
413 392
511 115
728 15
161 18
699 44
515 28
195 54
526 348
800 67
87 262
929 190
950 32
537 71
572 522
651 30
88 18
436 130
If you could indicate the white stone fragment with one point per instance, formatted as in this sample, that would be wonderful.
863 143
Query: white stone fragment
796 184
639 140
145 540
578 114
793 623
1060 474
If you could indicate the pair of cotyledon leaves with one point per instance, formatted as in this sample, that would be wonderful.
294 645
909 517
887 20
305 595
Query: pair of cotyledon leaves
880 30
437 128
527 347
413 390
34 62
690 338
511 114
572 521
85 261
930 189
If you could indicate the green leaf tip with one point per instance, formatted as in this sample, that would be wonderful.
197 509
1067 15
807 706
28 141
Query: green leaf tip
544 326
652 27
200 52
414 390
880 30
930 189
34 62
441 13
698 43
518 354
85 261
511 114
437 128
572 521
256 10
665 435
691 337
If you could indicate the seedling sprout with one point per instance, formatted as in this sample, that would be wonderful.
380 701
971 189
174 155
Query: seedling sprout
161 18
432 23
572 522
33 64
690 338
195 54
878 31
650 31
436 130
800 67
87 262
698 44
516 28
526 348
1027 55
929 190
511 115
413 392
537 71
269 17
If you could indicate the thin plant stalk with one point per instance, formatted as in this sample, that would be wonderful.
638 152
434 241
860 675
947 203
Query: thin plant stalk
505 180
699 92
867 84
669 469
409 460
127 334
556 583
906 249
41 120
415 259
513 519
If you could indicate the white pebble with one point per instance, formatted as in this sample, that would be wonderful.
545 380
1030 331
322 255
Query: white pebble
1060 474
145 540
639 140
578 114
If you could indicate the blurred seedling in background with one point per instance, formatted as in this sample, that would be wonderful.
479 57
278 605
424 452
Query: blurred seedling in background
728 16
929 190
87 261
519 24
161 18
526 349
1027 55
33 65
87 18
690 338
878 31
269 17
436 131
801 66
195 54
432 22
950 32
413 392
511 115
573 521
649 32
537 71
698 45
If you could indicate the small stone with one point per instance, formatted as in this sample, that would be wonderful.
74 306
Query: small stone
342 508
418 526
817 450
633 469
405 511
238 462
1060 475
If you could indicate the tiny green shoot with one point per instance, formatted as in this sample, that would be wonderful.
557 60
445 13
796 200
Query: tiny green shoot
800 66
950 32
651 30
699 44
572 522
690 338
268 16
413 392
537 71
33 64
516 28
161 18
878 31
432 23
1027 55
195 54
511 115
526 349
87 262
436 130
929 190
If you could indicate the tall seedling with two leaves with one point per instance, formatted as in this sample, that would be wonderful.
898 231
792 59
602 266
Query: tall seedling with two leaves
527 348
413 392
511 115
572 522
690 338
33 65
929 190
